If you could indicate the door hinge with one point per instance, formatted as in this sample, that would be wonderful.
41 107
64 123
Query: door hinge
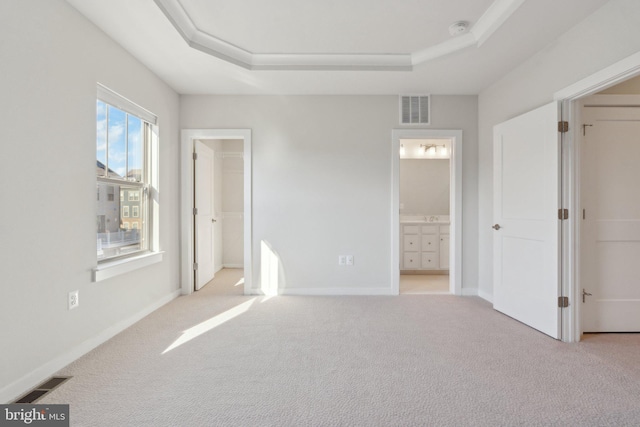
195 266
195 156
195 211
563 302
563 127
563 214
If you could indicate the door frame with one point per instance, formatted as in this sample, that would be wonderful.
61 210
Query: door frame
570 249
186 198
602 101
455 214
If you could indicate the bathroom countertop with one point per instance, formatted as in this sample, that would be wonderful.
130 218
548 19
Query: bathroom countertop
417 221
424 219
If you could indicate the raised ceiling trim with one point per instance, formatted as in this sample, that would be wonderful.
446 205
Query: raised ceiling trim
489 22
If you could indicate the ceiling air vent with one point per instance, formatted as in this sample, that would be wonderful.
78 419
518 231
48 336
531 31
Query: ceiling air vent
414 109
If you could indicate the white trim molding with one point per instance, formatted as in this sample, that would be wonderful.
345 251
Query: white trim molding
232 266
485 296
497 13
610 76
336 291
111 269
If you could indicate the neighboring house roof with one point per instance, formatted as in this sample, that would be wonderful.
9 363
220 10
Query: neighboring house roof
101 167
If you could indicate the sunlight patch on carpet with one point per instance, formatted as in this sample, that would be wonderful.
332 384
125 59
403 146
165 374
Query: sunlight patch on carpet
207 325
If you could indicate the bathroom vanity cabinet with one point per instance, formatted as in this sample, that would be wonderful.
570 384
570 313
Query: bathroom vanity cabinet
425 246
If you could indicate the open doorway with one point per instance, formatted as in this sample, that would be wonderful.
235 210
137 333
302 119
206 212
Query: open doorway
219 203
425 208
228 189
426 211
609 228
572 260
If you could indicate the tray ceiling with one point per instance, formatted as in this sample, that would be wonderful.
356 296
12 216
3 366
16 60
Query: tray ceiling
333 35
331 26
299 47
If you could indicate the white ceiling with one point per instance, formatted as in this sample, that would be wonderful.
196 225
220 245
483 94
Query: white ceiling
332 26
317 30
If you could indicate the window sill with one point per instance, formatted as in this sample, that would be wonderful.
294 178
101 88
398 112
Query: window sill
111 269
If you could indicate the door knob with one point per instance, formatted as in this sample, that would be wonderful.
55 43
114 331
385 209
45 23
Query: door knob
585 294
213 220
496 227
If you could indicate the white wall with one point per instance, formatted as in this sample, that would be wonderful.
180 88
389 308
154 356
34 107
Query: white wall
425 186
322 181
50 61
608 35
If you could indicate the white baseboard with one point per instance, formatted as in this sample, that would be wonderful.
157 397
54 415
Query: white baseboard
477 292
485 296
233 265
470 292
40 374
328 291
335 291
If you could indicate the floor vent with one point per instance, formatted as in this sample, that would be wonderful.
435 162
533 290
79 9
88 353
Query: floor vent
36 393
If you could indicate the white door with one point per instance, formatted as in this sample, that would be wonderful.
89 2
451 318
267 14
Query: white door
204 218
526 227
610 237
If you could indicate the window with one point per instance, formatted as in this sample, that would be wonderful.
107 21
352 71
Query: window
124 132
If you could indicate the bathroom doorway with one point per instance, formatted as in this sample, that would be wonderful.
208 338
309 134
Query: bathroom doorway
426 211
425 190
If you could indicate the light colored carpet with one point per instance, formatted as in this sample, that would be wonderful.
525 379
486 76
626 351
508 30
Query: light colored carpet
411 360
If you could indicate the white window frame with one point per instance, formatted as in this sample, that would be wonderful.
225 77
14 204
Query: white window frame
151 254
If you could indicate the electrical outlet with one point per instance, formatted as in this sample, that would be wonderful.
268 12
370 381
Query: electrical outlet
349 259
342 260
73 299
